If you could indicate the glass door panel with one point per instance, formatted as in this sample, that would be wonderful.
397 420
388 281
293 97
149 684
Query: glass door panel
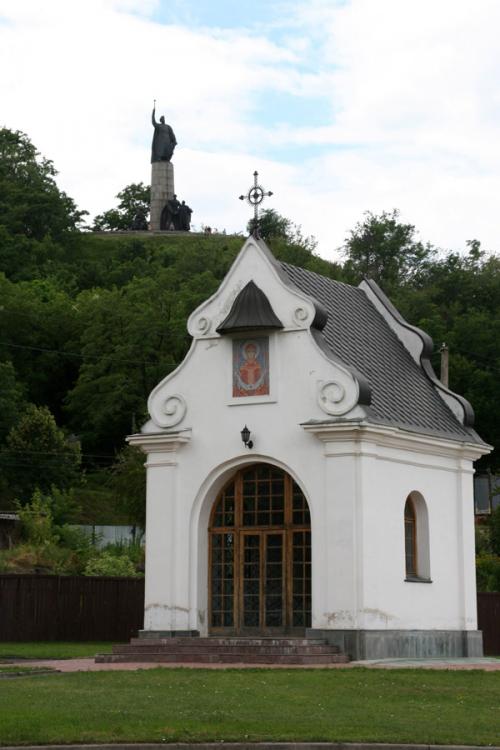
222 565
251 580
274 580
301 579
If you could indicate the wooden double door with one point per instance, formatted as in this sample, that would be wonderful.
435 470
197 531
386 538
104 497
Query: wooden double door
260 555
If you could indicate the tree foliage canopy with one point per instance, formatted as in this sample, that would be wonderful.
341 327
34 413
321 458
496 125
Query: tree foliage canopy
31 204
385 250
37 455
133 200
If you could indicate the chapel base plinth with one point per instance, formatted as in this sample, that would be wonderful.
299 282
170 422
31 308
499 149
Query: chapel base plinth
403 644
162 190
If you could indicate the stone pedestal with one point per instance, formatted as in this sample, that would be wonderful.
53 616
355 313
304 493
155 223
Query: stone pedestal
162 189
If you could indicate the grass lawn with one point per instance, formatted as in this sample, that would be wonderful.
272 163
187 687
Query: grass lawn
52 650
422 706
22 670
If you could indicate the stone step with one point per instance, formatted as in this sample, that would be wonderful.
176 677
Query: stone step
238 650
229 641
236 657
314 648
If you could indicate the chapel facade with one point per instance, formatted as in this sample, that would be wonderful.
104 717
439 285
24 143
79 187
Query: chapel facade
308 474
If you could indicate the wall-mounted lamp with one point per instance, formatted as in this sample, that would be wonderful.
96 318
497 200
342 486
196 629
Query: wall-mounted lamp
245 436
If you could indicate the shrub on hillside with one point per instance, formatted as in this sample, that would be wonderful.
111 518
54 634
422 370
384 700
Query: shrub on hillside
488 572
107 564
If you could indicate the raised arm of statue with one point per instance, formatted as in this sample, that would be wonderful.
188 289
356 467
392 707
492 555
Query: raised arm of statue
153 119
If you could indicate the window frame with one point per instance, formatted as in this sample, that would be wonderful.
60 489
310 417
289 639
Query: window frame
418 538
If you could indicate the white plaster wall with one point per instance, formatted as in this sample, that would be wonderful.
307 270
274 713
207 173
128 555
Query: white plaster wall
389 601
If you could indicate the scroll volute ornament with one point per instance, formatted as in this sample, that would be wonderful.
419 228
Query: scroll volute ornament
169 411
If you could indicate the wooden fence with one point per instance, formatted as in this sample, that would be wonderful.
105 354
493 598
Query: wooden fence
76 608
70 608
488 615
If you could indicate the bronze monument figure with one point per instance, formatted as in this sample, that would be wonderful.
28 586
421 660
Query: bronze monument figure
170 215
185 217
164 140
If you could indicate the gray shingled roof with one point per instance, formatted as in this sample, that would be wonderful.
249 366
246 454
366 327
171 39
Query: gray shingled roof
402 394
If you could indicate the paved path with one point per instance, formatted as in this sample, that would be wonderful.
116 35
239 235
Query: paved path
256 746
89 665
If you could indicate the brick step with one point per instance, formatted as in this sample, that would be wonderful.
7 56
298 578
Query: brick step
202 648
236 657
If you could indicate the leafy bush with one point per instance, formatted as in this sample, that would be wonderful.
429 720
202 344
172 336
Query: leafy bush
36 520
107 564
39 558
494 525
483 539
133 550
47 547
488 572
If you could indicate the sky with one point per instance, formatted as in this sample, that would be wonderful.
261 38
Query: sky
342 106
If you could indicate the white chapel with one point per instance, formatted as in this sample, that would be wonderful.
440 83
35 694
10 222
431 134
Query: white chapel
308 475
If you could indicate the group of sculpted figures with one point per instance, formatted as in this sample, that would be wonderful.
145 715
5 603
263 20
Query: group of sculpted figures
176 215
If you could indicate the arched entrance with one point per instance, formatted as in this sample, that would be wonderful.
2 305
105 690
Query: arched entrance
260 555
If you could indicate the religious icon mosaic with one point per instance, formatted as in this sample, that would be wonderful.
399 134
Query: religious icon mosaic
251 367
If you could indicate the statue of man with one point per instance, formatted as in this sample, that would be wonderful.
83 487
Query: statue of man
164 140
185 217
170 214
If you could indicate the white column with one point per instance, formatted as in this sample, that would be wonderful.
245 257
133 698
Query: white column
466 544
343 525
165 561
338 535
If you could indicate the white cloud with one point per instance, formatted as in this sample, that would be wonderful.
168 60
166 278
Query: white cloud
414 87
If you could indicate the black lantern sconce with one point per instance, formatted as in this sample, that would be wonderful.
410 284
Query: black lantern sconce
245 436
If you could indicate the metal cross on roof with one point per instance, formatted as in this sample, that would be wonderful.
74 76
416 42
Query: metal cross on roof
254 197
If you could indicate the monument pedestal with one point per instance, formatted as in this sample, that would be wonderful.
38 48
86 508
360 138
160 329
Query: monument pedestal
162 189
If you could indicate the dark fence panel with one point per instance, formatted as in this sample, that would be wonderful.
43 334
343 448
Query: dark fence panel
76 608
488 616
70 608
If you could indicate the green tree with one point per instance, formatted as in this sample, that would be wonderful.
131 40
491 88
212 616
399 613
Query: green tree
133 200
132 337
31 204
273 226
456 301
129 484
385 250
12 398
40 334
37 454
494 525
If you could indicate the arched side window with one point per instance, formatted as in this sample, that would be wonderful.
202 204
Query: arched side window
416 534
410 539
